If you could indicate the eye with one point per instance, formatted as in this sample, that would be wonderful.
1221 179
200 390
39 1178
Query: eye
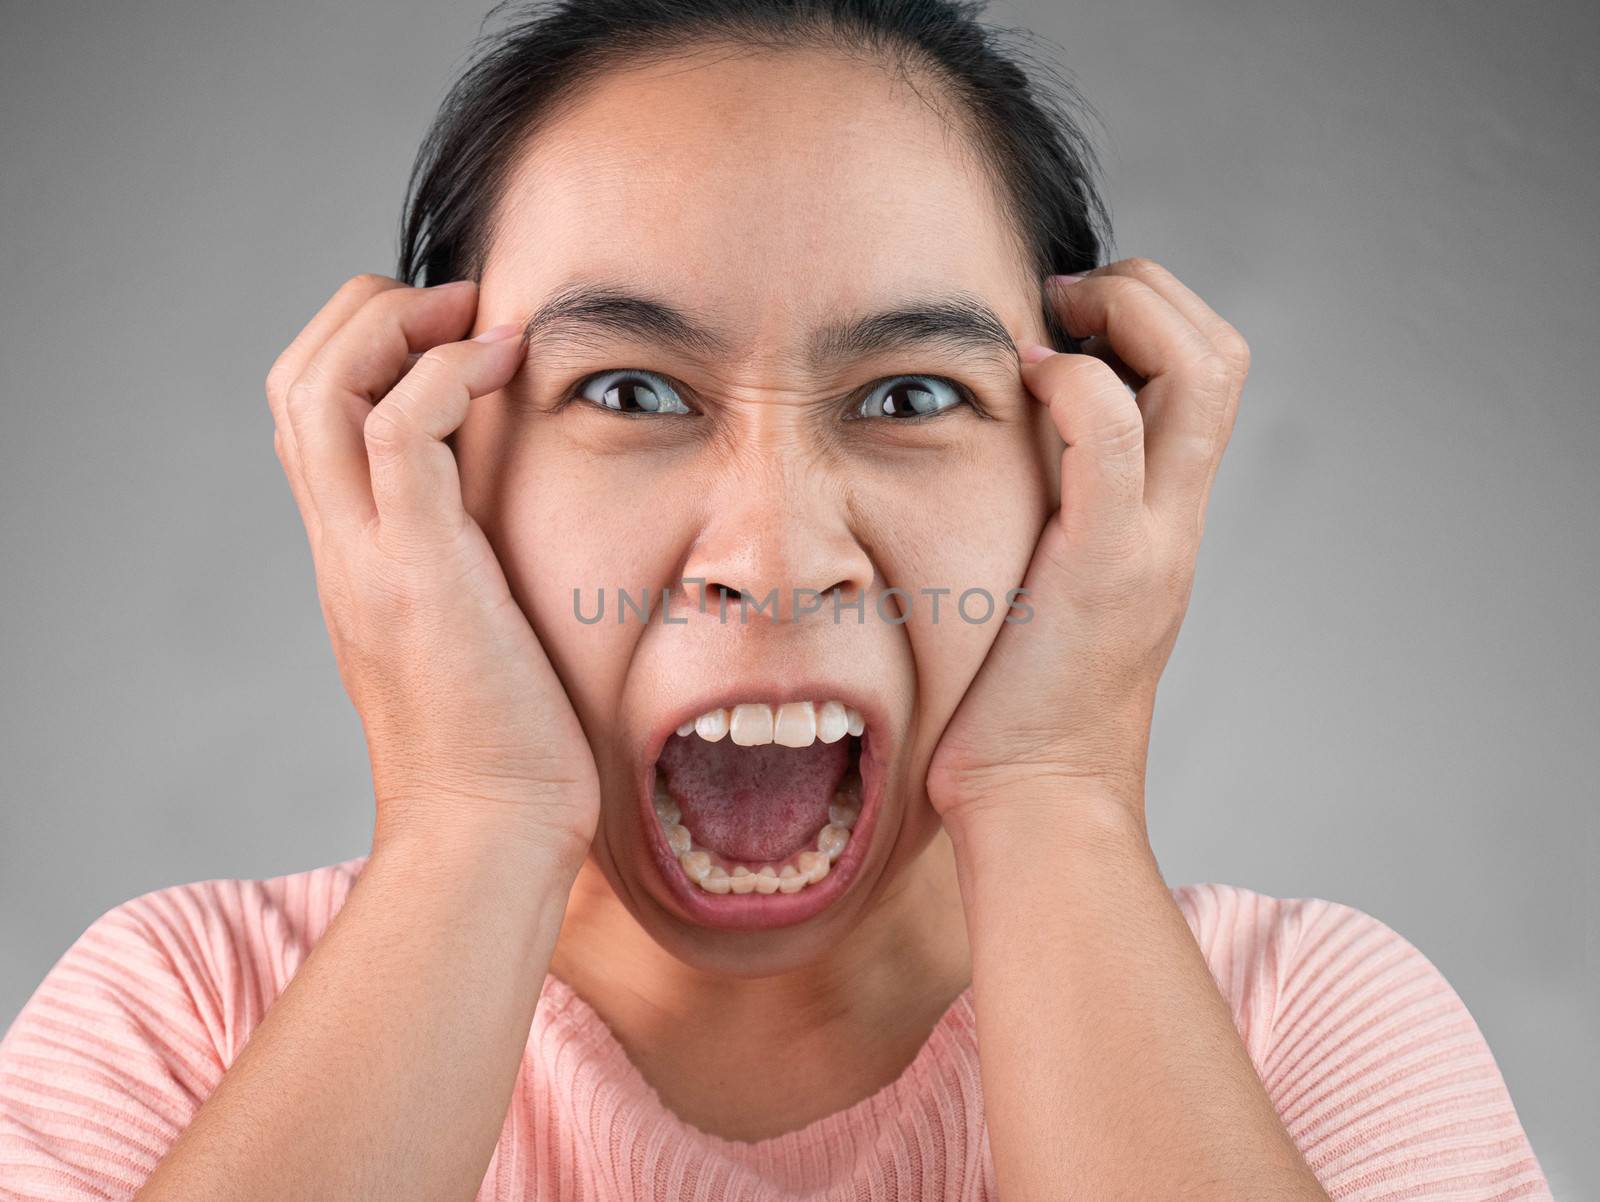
632 390
911 397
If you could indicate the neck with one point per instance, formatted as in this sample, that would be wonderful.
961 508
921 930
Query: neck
839 1028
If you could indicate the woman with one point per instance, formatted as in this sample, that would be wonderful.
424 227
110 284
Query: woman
712 858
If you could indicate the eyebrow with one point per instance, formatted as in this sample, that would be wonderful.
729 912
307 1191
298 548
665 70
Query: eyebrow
961 322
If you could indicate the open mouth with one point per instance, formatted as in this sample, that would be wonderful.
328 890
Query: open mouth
753 804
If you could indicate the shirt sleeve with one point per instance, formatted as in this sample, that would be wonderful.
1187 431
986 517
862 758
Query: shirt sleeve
1379 1072
135 1025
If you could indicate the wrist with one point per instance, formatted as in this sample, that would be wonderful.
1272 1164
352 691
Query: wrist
497 846
461 892
1049 816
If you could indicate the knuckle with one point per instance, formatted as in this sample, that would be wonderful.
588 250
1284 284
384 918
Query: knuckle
385 430
1236 349
278 381
1124 445
1072 380
367 283
1147 270
1214 372
1122 290
437 361
436 371
1105 380
1198 449
1120 429
1067 373
390 302
301 395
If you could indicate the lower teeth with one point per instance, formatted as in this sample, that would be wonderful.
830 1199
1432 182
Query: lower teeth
715 874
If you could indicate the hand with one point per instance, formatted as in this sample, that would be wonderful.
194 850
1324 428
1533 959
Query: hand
465 720
1062 705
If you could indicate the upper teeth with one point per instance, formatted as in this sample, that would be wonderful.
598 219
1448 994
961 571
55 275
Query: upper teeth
792 724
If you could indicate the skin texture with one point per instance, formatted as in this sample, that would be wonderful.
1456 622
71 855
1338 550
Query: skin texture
1010 850
863 200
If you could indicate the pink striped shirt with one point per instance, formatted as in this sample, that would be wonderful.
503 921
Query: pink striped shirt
1377 1069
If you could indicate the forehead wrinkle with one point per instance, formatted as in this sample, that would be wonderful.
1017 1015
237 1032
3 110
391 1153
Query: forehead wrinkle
961 322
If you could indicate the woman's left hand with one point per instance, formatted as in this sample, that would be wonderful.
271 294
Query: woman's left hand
1062 705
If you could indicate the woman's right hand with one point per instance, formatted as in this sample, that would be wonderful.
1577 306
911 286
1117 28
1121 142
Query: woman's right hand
466 721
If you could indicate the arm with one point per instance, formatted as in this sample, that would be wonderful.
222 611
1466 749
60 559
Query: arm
142 1019
385 1068
1111 1067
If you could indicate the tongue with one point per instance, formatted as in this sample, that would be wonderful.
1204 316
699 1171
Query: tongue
753 803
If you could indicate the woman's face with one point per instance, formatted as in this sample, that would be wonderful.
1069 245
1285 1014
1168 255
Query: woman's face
777 204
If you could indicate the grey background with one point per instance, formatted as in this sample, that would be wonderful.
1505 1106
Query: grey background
1385 690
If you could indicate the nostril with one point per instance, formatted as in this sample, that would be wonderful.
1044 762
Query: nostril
719 598
790 603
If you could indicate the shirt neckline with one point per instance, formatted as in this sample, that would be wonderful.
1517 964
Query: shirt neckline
953 1037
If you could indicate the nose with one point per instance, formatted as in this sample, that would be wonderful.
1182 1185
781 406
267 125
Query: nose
778 539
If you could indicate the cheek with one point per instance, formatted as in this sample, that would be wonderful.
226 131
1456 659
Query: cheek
560 520
969 525
562 516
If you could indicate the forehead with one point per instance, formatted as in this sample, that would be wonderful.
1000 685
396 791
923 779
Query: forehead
756 185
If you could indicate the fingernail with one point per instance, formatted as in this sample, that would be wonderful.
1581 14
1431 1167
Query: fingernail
1065 280
496 333
1036 352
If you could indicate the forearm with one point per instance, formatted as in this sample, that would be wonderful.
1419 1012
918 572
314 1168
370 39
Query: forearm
385 1068
1111 1066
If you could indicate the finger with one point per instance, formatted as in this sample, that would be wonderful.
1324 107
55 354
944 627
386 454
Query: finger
330 400
340 307
1101 349
1227 340
349 297
415 484
1187 390
302 500
1103 466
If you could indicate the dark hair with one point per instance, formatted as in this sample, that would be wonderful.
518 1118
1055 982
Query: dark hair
1022 110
